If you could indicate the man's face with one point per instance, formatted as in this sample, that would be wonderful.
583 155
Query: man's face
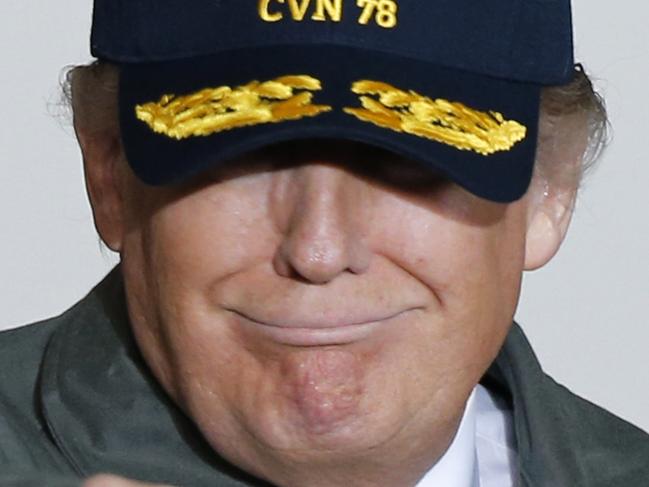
321 304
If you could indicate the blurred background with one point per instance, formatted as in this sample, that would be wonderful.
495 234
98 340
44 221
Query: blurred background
585 313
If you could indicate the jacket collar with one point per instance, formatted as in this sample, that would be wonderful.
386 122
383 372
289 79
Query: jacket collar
106 412
548 448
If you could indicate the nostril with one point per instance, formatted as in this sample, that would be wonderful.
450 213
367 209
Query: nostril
284 268
314 262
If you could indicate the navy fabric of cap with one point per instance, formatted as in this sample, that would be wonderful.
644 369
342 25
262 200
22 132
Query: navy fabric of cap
451 84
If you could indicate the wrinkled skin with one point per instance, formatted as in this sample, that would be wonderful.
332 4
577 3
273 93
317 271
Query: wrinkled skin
236 281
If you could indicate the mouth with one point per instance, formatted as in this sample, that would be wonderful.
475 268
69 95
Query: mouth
316 334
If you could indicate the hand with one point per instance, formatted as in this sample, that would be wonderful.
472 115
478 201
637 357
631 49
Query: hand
114 481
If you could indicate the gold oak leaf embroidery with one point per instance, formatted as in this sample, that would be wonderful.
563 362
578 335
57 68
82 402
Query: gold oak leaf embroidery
213 110
450 123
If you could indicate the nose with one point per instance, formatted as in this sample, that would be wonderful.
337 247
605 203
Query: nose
323 235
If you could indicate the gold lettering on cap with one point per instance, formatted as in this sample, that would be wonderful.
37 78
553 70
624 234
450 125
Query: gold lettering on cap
298 9
214 110
332 8
384 12
266 15
450 123
323 10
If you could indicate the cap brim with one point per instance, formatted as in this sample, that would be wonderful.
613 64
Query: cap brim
160 159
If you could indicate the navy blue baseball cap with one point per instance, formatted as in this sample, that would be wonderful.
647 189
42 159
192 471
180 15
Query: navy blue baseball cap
451 84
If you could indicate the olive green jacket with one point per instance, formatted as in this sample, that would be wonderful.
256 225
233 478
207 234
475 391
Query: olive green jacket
77 399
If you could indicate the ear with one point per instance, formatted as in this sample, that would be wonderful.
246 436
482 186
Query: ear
563 141
549 213
102 160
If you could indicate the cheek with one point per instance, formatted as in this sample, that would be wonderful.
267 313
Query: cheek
444 247
175 254
471 260
209 234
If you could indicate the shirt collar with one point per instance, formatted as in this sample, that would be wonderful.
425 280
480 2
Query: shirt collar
459 466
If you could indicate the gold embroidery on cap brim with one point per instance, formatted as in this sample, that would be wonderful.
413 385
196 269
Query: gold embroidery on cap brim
440 120
214 110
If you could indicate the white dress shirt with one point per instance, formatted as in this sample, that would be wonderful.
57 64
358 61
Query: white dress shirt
483 452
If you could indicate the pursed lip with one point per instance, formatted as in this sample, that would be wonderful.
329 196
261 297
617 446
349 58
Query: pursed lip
311 333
